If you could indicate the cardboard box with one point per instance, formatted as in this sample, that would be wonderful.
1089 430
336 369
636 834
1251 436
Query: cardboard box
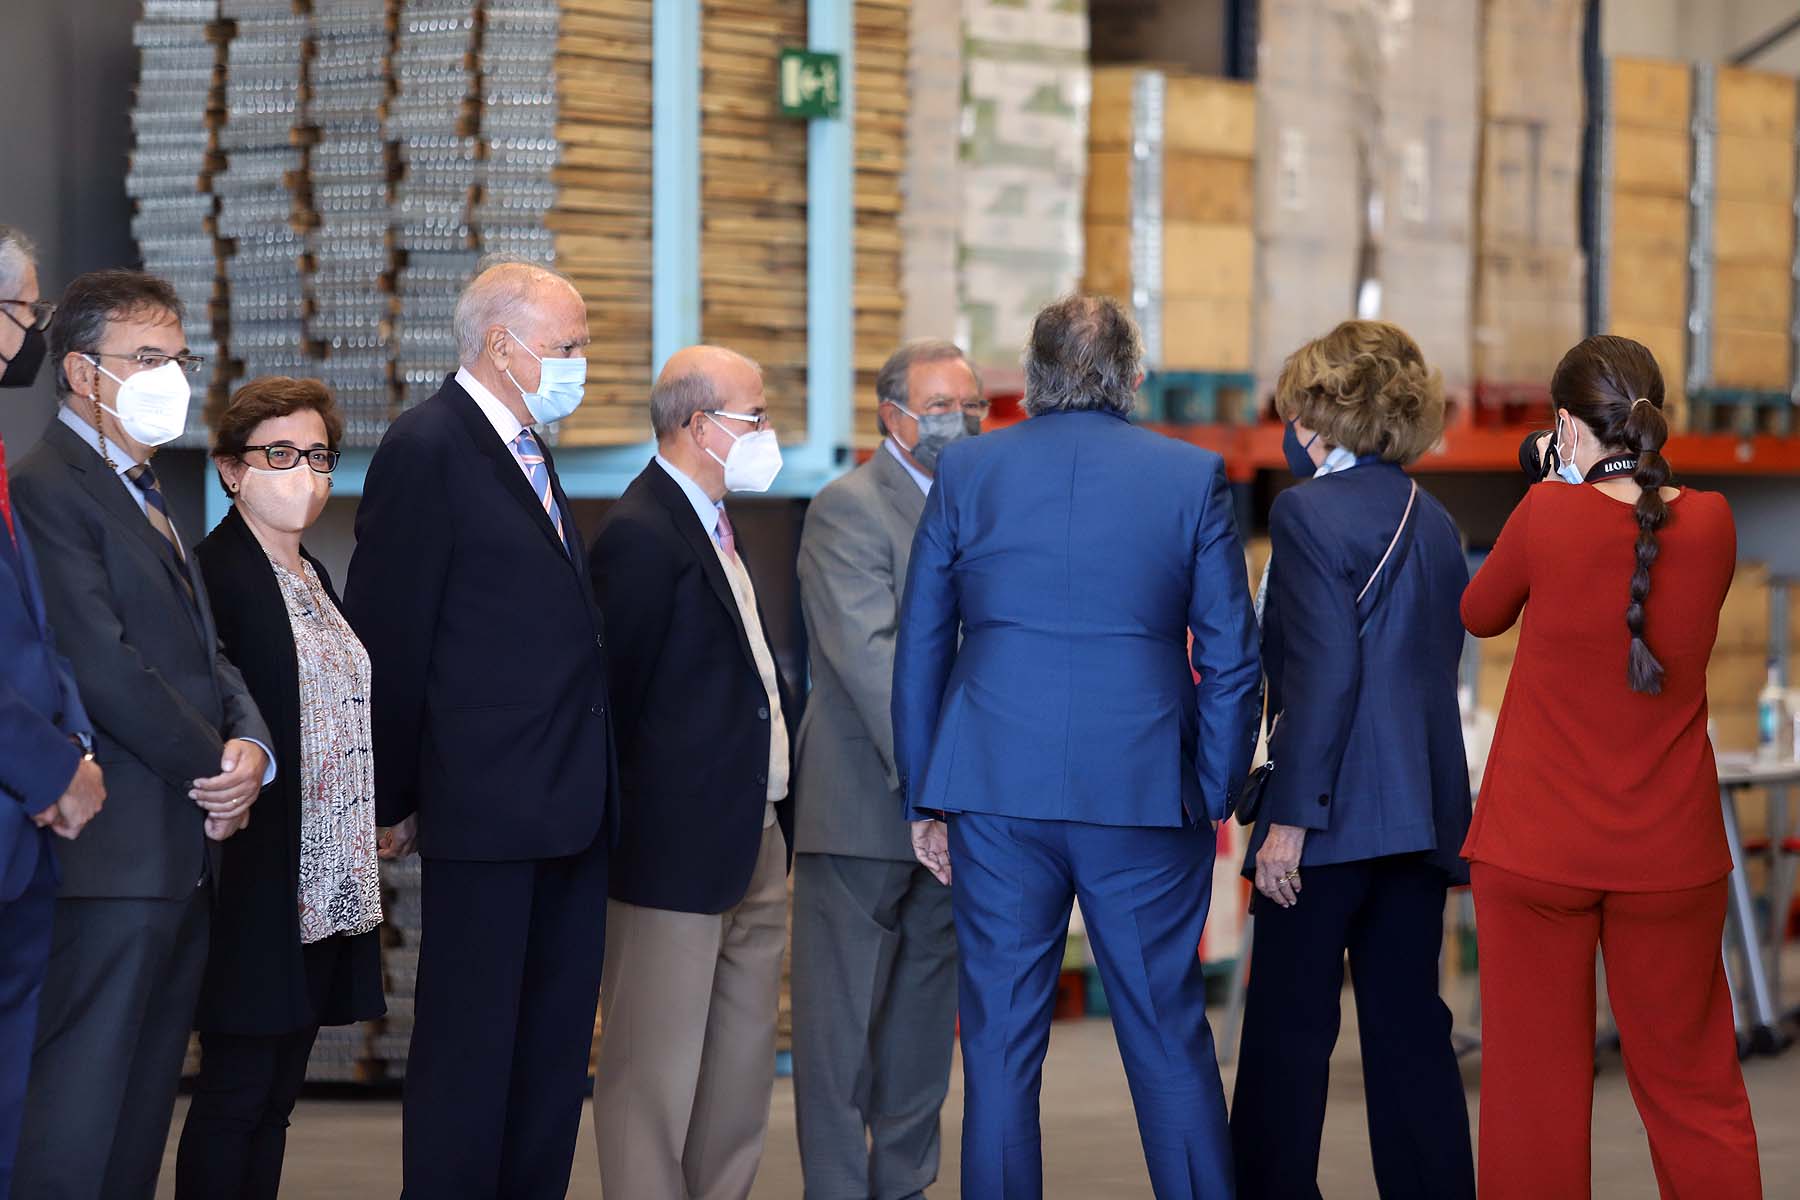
1753 231
1198 260
1753 296
1529 309
1427 289
1304 289
1758 104
1195 187
1648 285
1751 168
1653 161
1668 343
1200 115
1426 171
1653 223
1206 333
1307 44
1752 358
1530 185
1652 93
1532 61
1308 178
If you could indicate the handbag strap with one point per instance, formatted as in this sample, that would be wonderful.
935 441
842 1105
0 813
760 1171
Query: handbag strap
1405 519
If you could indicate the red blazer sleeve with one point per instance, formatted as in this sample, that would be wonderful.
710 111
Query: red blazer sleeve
1495 597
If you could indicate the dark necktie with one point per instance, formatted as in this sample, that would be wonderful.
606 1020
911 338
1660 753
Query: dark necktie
158 513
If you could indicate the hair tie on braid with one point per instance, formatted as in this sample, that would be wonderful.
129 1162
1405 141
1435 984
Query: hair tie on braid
1638 401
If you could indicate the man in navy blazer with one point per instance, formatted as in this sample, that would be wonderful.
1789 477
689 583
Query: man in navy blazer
1064 750
492 741
47 773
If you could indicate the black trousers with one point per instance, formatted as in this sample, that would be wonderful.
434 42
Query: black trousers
236 1133
1388 915
510 956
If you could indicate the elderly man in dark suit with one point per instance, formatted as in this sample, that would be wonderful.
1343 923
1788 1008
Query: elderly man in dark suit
1044 705
697 919
492 746
184 749
874 977
47 767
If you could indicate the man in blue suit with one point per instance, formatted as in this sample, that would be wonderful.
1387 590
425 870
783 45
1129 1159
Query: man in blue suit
1063 750
48 779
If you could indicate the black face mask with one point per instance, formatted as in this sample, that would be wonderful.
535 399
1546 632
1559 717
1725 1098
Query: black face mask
22 367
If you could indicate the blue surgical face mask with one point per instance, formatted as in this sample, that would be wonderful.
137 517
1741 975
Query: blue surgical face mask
560 384
1566 469
1298 460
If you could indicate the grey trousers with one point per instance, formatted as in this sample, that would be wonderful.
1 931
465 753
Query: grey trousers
874 987
113 1026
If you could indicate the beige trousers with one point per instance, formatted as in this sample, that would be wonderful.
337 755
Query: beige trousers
687 1042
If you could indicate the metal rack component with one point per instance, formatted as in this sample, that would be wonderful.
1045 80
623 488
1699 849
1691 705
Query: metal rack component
1148 94
1700 240
1600 208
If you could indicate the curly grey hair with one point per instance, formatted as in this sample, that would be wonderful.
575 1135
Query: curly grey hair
1084 354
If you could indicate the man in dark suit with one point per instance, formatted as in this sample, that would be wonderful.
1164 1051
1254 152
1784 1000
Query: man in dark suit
698 916
469 588
1069 746
874 975
47 768
184 750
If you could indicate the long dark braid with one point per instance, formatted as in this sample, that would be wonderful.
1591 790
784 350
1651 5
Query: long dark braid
1613 386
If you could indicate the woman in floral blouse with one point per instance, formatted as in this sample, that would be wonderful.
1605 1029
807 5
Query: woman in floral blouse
299 890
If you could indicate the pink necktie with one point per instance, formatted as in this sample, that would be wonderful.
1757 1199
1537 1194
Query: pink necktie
727 539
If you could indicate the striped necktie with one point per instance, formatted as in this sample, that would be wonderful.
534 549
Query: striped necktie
531 457
157 510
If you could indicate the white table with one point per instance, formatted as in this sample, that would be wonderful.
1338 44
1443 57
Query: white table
1738 772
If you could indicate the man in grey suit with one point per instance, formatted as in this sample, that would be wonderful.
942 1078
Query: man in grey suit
874 975
183 747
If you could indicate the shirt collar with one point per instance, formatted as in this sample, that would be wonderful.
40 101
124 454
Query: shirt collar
919 477
705 507
87 433
1339 459
498 415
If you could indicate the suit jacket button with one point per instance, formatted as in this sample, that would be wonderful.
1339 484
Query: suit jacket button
762 714
599 642
762 778
1324 800
599 710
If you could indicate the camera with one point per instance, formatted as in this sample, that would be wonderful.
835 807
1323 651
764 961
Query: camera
1537 455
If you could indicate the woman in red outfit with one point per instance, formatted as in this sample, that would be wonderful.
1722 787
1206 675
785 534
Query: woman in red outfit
1599 820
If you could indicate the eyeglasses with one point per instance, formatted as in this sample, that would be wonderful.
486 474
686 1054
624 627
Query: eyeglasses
150 360
938 405
759 421
286 458
42 313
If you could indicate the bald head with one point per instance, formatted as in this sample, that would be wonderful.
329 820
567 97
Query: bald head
509 294
699 379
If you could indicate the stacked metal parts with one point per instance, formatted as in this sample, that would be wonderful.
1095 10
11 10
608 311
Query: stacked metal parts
518 79
432 121
349 245
262 189
170 180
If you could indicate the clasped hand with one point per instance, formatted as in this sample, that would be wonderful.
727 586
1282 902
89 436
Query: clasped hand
226 798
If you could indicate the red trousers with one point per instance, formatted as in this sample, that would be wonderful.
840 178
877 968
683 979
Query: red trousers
1665 976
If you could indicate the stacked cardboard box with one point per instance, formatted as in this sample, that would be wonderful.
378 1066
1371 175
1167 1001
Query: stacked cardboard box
1753 230
1530 272
1179 254
1650 165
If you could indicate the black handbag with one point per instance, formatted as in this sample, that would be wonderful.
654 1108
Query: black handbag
1250 800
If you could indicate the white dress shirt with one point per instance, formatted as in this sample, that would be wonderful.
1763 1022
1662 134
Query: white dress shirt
123 462
744 592
919 477
501 418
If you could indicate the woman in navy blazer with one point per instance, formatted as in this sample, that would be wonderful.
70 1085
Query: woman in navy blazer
1368 800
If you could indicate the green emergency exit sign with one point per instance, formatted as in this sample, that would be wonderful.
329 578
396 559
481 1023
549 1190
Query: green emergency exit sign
810 84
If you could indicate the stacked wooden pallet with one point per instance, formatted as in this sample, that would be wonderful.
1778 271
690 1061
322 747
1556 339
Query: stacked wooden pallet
1181 255
1650 164
753 198
1530 272
883 46
602 214
1753 231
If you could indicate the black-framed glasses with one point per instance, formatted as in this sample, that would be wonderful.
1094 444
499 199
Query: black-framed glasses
150 360
285 458
42 313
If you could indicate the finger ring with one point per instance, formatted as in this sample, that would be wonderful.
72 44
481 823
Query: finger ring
1293 874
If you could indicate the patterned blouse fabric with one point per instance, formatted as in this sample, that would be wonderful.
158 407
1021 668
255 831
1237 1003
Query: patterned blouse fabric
340 874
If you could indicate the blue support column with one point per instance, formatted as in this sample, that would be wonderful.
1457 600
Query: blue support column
830 255
675 178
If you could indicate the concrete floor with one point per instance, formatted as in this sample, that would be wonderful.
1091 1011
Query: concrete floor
351 1148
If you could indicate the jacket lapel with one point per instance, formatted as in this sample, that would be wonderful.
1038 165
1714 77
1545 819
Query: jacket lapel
898 486
505 467
109 491
687 521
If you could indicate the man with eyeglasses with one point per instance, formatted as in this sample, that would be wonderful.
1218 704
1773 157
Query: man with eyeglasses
874 974
697 921
49 782
184 749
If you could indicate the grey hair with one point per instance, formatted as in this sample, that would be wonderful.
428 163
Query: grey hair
674 401
1083 354
892 383
17 256
503 292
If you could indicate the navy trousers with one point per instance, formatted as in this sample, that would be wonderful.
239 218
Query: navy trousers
1388 915
24 957
1144 894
